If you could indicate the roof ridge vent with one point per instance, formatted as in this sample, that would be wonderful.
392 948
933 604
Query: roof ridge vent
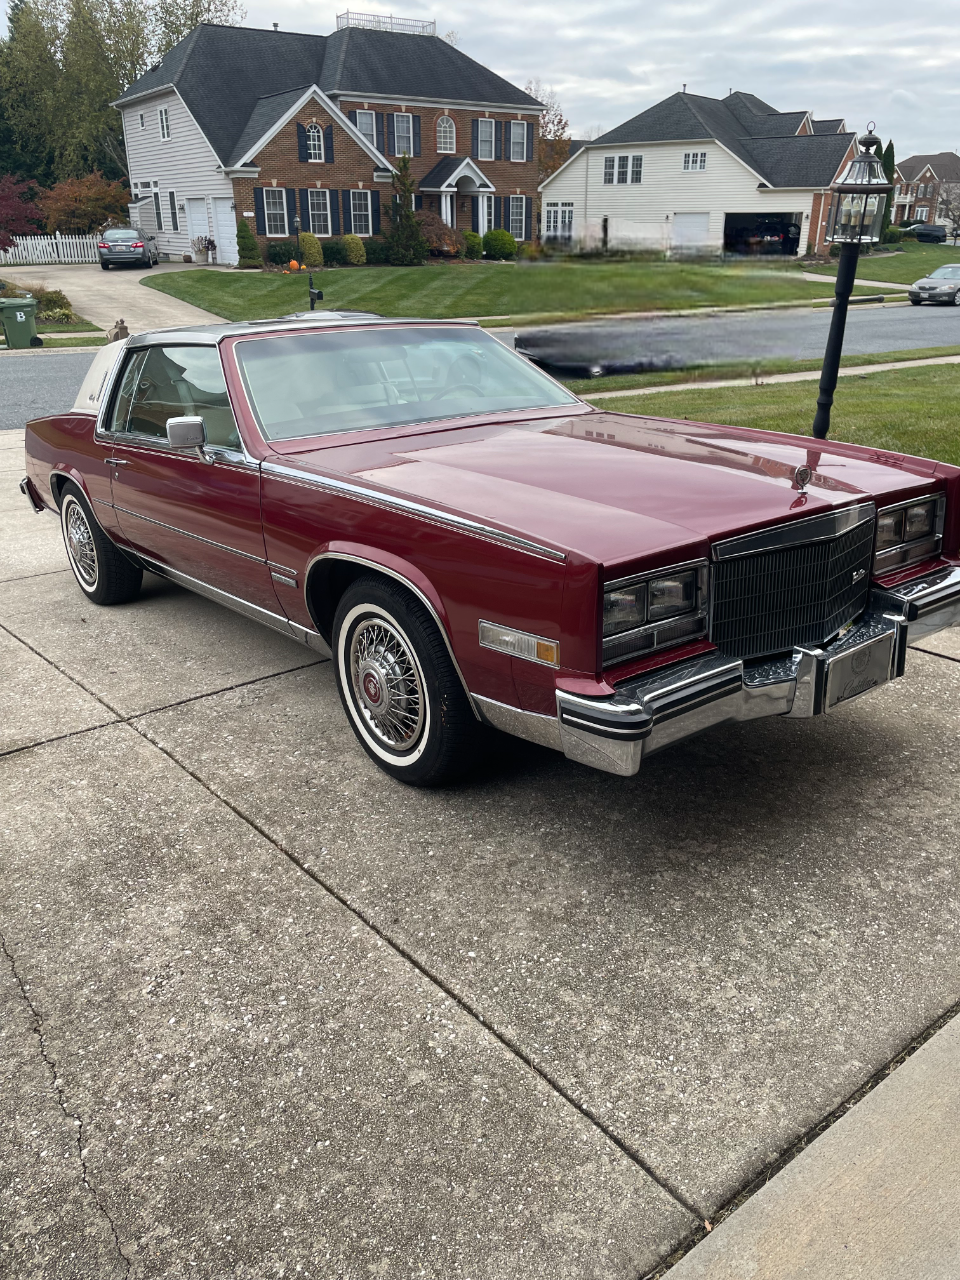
386 22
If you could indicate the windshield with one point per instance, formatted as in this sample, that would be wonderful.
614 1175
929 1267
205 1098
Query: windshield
318 383
124 234
946 273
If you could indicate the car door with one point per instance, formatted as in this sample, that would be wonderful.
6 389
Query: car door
197 511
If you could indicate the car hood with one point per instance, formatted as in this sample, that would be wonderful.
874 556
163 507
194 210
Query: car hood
616 488
930 280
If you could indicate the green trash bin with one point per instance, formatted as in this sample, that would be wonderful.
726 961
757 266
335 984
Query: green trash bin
18 316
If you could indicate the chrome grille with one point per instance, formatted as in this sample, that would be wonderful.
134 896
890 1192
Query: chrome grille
789 595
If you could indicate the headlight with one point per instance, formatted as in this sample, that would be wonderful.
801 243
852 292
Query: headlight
908 533
651 612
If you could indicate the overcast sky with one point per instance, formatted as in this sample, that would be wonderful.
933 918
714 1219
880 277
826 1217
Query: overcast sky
893 62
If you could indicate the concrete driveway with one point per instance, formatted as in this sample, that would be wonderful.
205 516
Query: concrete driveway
267 1012
103 297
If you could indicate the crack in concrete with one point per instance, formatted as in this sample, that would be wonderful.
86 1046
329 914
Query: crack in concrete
69 1115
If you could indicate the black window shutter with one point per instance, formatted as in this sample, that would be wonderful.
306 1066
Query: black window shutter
259 215
352 117
304 209
416 135
418 201
497 211
391 135
347 214
475 138
529 143
333 199
528 217
375 211
498 140
380 132
301 143
328 144
475 213
291 209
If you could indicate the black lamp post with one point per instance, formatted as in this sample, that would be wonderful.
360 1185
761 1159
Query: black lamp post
296 227
855 218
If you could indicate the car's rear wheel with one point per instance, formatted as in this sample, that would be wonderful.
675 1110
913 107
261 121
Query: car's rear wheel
103 572
399 688
105 266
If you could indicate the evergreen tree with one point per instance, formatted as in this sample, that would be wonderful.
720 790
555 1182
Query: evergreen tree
247 248
889 168
406 244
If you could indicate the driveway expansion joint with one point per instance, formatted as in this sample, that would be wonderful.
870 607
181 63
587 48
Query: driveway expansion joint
441 984
71 1116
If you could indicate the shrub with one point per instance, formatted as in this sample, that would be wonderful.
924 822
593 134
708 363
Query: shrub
834 251
52 304
444 241
891 235
78 205
408 248
498 243
377 250
473 245
908 235
279 252
311 249
334 253
356 254
247 247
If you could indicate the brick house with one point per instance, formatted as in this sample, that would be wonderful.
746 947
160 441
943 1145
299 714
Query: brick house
265 125
918 183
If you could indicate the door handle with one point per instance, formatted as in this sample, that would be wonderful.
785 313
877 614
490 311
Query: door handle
116 462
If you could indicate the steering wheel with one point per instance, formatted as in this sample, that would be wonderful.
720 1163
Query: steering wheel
458 387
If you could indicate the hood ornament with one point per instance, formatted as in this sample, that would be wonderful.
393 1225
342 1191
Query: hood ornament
802 476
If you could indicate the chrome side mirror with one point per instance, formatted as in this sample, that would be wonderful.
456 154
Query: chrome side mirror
186 433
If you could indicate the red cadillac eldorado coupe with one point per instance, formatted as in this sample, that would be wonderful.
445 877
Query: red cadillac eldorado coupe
474 546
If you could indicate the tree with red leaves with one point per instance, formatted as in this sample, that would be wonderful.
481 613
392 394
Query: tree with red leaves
19 216
78 205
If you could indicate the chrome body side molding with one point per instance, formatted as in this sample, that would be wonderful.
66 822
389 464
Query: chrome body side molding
312 639
418 510
529 725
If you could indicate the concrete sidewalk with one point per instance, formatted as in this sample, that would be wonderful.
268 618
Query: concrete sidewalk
103 297
875 1196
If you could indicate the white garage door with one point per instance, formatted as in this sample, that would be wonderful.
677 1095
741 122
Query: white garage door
691 230
225 233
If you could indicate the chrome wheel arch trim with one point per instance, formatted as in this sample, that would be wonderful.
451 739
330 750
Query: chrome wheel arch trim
418 510
412 587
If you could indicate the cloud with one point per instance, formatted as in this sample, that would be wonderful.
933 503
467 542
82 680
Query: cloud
608 60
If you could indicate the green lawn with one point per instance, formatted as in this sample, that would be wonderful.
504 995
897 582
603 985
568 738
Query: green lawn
916 261
588 387
914 411
546 290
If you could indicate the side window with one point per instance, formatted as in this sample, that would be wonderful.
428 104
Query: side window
124 397
183 381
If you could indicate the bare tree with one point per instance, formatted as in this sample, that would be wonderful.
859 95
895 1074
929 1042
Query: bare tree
452 37
554 130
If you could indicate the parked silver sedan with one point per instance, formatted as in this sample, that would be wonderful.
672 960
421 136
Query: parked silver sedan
942 285
127 244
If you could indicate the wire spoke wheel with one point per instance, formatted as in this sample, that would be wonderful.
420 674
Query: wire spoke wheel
387 684
80 544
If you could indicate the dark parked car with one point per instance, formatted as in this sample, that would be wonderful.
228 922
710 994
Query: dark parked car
127 244
475 546
928 232
942 285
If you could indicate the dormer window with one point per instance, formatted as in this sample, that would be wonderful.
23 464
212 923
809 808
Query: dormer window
446 136
314 143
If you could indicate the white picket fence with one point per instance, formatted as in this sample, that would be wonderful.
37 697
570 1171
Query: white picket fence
38 251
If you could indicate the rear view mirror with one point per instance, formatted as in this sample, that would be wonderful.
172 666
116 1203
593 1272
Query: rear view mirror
186 433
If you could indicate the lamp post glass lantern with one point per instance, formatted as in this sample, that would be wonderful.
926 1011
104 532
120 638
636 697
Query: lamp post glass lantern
857 203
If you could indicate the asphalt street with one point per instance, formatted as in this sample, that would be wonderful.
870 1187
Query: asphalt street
37 383
800 335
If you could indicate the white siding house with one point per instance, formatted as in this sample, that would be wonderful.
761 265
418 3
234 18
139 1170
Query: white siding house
176 179
705 186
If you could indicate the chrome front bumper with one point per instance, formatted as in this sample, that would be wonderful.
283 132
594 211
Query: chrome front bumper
655 710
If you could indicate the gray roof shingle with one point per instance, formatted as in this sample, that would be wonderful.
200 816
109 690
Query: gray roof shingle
828 126
231 77
763 139
945 164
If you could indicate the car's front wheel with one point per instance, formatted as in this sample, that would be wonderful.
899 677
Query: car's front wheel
916 302
399 688
103 572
